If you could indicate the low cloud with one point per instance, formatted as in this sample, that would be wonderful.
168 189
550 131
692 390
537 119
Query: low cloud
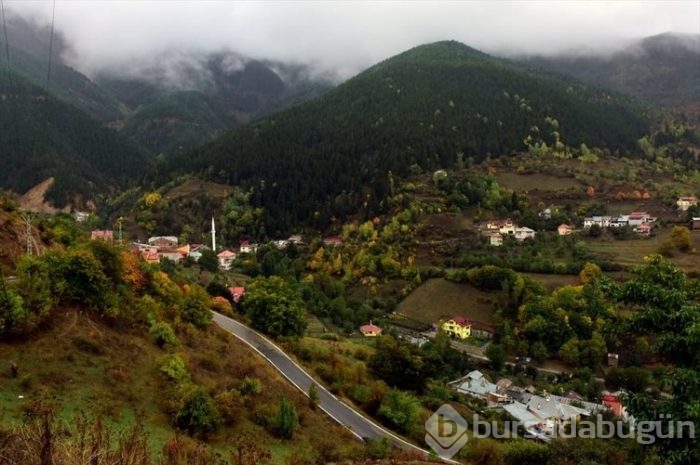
339 38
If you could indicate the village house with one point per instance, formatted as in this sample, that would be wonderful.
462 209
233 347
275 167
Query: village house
502 226
482 330
619 222
149 254
81 217
163 241
248 247
638 218
169 253
613 401
236 293
195 251
458 326
332 241
495 239
281 243
601 221
102 235
643 230
296 239
524 233
685 202
475 384
564 230
370 330
226 259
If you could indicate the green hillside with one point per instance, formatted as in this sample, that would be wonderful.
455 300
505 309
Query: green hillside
177 120
428 108
42 137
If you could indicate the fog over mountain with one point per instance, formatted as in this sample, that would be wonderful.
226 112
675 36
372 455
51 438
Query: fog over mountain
160 39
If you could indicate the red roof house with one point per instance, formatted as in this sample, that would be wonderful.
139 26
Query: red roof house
237 293
370 330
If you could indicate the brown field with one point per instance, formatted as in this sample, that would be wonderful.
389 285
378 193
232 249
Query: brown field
553 281
196 186
438 298
542 182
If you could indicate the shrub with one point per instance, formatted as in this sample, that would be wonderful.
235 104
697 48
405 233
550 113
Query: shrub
229 405
163 334
287 419
250 386
175 369
198 415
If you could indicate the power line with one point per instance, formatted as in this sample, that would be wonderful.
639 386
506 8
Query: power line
7 43
48 71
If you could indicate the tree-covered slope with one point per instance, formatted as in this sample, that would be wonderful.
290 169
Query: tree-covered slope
176 121
43 137
430 107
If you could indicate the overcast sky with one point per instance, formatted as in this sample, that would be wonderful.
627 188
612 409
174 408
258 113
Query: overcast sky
347 36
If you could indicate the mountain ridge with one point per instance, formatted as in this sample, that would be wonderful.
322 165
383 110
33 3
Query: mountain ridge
423 107
663 69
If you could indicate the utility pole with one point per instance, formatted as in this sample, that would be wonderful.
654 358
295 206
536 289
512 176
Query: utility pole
27 218
119 222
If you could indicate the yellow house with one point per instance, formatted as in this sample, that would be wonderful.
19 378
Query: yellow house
458 326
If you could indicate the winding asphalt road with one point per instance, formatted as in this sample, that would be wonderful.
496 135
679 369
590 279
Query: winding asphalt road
358 424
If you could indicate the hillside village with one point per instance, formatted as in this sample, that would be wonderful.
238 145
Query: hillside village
263 263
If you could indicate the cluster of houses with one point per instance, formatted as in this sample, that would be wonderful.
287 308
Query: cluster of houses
641 222
159 248
227 257
540 415
496 230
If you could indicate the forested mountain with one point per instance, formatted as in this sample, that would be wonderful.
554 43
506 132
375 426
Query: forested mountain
662 69
431 107
204 97
44 137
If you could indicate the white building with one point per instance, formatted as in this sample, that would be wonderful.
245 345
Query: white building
685 202
226 259
524 233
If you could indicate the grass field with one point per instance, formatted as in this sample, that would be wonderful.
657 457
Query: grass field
438 299
87 366
631 252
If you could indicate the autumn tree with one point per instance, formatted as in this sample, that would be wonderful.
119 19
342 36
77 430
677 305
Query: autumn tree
680 238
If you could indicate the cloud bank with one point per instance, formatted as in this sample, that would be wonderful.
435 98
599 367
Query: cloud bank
344 37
